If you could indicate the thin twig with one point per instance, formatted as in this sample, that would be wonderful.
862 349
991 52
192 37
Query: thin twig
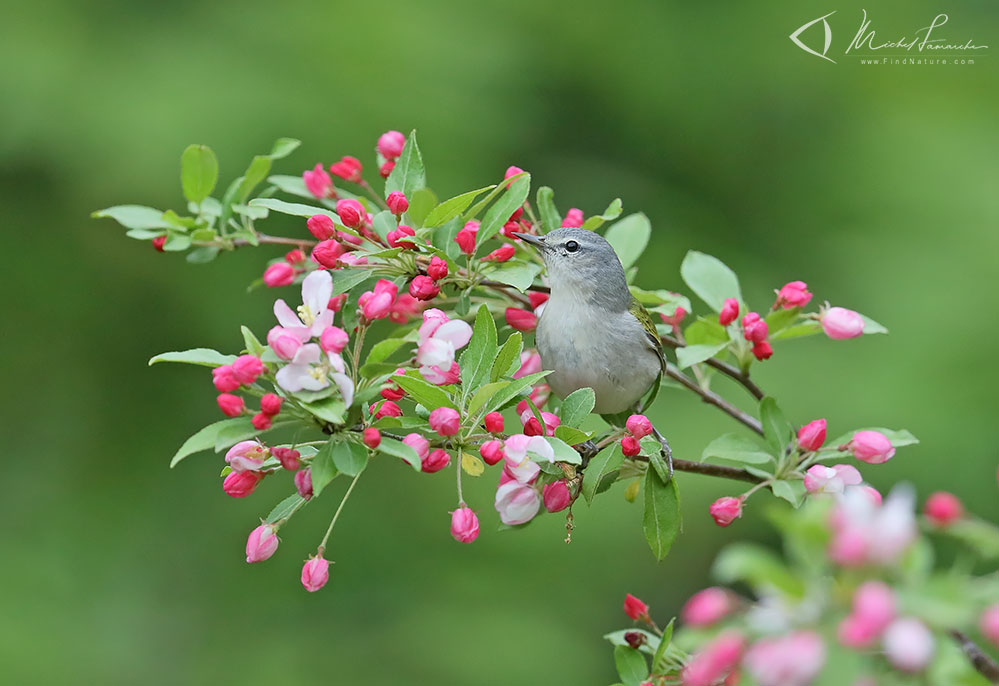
713 398
709 469
724 367
984 664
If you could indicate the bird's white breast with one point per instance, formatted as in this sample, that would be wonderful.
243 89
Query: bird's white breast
587 346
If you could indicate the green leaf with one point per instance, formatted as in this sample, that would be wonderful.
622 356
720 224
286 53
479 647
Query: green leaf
796 331
296 209
482 204
662 514
603 463
242 429
757 566
776 429
483 394
478 358
452 207
710 279
199 172
382 350
252 343
570 435
550 218
518 274
428 395
284 508
284 147
692 354
563 451
350 458
504 395
781 319
345 279
612 212
420 205
577 406
203 439
507 357
791 491
293 185
329 409
395 448
134 217
871 326
705 332
980 536
658 664
408 175
506 205
629 237
205 357
177 242
630 665
738 449
323 467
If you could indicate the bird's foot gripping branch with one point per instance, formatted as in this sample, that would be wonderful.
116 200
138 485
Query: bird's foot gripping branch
413 343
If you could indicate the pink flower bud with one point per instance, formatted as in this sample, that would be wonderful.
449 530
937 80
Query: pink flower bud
791 660
726 510
630 446
674 319
247 368
812 435
348 168
445 421
294 257
271 404
351 212
494 423
261 422
405 308
231 405
419 444
386 169
436 461
159 242
378 303
839 323
943 508
908 645
318 182
464 525
437 269
284 344
386 409
715 660
754 328
501 254
874 604
349 238
315 573
871 493
491 451
989 624
390 144
729 312
241 484
333 339
396 238
793 294
261 543
289 458
762 350
327 254
397 202
303 483
372 437
335 304
279 274
521 320
512 171
246 456
424 288
573 218
635 608
223 379
321 226
556 496
466 237
707 607
537 299
638 425
872 447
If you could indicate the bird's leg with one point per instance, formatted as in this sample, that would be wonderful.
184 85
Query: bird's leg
587 449
665 452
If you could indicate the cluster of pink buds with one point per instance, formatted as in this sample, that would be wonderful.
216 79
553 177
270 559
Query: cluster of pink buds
755 330
638 427
283 273
526 320
389 147
244 371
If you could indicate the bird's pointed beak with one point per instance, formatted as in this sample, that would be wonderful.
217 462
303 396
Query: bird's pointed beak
536 241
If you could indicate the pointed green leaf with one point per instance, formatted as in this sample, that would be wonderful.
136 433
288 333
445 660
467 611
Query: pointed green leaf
577 406
629 237
350 458
323 467
395 448
630 665
710 279
516 387
612 212
329 409
776 429
205 357
507 357
284 508
478 358
550 218
662 514
738 449
518 274
204 439
408 175
692 354
606 461
199 172
452 207
134 217
428 395
500 212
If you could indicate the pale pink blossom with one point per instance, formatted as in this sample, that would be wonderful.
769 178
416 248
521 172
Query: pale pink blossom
517 503
867 533
438 377
908 644
314 314
530 363
791 660
839 323
989 624
310 370
707 606
246 456
439 338
873 609
822 479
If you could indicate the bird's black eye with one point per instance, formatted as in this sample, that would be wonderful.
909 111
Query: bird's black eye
572 246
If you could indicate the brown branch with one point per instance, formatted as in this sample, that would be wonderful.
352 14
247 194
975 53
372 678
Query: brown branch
713 398
984 664
725 368
709 469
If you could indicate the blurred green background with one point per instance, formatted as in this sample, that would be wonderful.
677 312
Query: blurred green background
876 185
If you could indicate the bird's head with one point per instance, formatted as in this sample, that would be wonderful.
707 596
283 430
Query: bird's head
584 262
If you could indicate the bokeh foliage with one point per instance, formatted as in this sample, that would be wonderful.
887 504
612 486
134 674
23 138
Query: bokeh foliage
874 185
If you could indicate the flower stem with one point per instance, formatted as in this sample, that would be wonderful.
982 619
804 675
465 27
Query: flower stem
336 515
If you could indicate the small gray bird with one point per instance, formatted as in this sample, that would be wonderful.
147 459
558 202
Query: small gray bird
592 332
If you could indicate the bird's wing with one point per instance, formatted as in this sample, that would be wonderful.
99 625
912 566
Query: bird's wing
645 319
